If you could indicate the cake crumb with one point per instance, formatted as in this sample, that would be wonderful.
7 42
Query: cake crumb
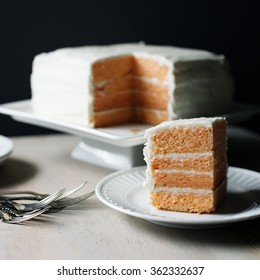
135 130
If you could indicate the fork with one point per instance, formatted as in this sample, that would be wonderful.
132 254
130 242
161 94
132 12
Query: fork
9 216
61 203
30 195
37 205
13 212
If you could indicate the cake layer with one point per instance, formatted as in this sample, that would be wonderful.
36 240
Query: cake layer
119 116
111 68
150 85
112 86
149 100
187 200
188 139
189 161
103 103
139 66
150 116
189 179
150 94
145 66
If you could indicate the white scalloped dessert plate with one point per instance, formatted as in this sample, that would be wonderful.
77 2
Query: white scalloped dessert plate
124 192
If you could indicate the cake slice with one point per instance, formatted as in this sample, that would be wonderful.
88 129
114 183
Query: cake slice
187 164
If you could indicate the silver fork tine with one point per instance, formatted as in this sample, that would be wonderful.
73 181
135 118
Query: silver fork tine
68 193
49 197
26 217
47 200
7 209
42 203
58 205
11 197
30 195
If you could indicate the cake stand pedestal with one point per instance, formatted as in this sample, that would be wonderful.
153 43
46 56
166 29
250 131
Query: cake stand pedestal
108 155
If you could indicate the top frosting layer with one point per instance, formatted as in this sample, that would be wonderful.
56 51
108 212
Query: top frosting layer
92 53
194 122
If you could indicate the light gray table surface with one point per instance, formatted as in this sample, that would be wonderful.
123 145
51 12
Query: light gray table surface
91 230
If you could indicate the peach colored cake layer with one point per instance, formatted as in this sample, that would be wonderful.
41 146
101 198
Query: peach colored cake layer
150 116
104 70
123 115
202 162
188 140
189 201
191 179
117 85
149 68
141 85
112 101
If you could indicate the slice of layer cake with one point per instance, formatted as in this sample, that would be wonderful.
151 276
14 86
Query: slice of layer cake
106 85
187 164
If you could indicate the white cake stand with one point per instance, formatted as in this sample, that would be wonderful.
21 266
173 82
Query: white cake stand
108 155
118 147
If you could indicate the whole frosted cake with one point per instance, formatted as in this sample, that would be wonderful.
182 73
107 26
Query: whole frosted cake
187 164
106 85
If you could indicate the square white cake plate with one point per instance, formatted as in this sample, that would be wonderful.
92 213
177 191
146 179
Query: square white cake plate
117 147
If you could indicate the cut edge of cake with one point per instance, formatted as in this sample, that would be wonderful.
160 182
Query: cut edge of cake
187 164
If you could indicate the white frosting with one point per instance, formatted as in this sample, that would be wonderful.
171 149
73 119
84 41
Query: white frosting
61 80
188 172
59 84
154 81
92 53
181 156
175 190
193 122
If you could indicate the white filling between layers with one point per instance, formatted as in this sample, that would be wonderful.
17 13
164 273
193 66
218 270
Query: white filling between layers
174 190
189 172
181 155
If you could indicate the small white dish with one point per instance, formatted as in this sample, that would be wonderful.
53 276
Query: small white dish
6 147
124 192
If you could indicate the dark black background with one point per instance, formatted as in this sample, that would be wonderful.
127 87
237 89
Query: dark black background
30 27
